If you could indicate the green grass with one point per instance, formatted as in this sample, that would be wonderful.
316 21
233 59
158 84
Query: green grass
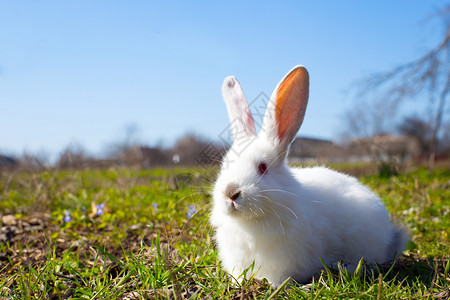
149 243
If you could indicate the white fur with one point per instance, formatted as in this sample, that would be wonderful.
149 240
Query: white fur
287 219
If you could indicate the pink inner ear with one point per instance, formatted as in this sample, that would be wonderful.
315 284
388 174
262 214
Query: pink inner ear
249 123
237 106
292 98
231 82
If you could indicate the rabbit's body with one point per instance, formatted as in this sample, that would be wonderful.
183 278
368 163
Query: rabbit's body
286 220
319 221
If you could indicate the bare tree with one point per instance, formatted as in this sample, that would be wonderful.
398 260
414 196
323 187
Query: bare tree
418 129
369 117
444 145
34 161
192 149
428 76
126 145
74 157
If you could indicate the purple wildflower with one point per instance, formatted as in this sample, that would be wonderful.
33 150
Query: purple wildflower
191 211
100 209
155 207
67 216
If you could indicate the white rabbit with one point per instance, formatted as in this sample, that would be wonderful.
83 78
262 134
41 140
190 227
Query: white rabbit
286 220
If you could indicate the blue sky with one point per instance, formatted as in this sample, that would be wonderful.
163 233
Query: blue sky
80 72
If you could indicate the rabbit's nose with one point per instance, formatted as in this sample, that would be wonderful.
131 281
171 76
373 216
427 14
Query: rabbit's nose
235 196
232 191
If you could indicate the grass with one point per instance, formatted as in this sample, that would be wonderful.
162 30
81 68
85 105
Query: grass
133 234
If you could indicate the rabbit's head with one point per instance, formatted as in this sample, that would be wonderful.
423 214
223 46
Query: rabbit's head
254 178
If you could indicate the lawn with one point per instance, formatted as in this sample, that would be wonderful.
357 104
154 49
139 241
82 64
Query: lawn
140 234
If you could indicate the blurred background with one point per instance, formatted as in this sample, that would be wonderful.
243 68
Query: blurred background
138 83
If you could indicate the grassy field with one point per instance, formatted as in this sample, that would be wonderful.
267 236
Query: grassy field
133 234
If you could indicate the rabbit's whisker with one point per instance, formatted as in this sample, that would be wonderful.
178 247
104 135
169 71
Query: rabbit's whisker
281 191
282 205
281 223
187 196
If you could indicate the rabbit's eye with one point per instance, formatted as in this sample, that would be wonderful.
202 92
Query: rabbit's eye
262 168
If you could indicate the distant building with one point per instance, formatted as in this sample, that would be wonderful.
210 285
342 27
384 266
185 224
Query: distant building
146 157
311 150
385 147
377 148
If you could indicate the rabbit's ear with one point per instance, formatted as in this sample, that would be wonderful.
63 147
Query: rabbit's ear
241 119
286 109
